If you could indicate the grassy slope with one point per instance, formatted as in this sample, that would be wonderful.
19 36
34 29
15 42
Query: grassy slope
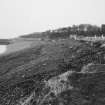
40 56
59 56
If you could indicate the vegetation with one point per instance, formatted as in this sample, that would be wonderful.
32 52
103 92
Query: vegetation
59 72
79 30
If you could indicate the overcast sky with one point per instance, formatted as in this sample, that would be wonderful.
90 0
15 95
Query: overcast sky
18 17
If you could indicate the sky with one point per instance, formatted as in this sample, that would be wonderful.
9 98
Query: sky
19 17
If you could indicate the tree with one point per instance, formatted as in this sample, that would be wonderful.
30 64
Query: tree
103 29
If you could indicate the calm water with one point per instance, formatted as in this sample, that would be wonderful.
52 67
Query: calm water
2 49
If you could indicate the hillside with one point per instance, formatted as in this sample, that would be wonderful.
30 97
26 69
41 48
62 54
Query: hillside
53 72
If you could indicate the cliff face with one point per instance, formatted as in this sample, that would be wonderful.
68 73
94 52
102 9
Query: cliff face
60 72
